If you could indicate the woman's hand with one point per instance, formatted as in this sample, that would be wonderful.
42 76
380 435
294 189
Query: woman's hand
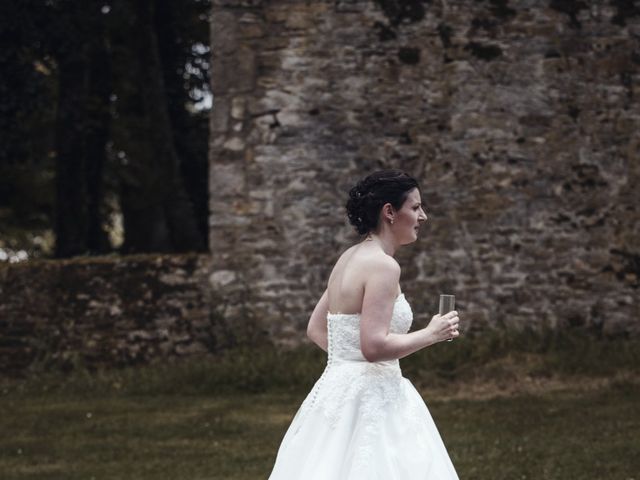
444 327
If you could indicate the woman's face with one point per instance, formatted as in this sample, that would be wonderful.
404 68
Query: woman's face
408 218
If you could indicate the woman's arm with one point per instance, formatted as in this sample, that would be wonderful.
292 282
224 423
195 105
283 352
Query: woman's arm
317 327
376 342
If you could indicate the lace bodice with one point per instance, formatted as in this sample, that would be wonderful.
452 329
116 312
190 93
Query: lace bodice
343 332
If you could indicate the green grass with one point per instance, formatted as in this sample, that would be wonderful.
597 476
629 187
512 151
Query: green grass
224 417
172 437
563 435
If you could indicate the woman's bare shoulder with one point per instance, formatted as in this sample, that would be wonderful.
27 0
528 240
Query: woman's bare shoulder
345 255
378 259
375 262
367 259
342 259
360 252
383 264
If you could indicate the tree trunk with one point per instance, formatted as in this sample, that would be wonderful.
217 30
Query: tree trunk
161 217
71 188
177 32
97 138
82 129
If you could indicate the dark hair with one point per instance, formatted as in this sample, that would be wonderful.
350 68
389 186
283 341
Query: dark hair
368 196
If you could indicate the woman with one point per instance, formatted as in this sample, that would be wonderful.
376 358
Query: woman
363 420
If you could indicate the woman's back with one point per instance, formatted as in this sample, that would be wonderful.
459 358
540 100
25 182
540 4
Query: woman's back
346 284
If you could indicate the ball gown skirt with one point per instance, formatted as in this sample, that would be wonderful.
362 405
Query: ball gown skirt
362 420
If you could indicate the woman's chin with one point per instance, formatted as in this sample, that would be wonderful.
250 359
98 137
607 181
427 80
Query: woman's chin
412 239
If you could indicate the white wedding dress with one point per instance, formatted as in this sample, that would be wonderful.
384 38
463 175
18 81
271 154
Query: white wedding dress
362 420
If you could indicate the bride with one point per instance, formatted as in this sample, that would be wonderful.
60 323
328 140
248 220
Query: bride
362 419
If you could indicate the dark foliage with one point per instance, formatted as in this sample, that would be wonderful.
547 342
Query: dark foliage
98 118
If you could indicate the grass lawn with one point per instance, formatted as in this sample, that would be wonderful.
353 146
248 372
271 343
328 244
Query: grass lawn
566 413
564 434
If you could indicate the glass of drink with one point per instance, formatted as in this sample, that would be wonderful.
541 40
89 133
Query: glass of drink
447 304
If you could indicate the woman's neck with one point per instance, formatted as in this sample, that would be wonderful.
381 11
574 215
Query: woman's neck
383 239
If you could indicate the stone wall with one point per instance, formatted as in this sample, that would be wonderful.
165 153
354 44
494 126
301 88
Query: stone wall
520 119
109 311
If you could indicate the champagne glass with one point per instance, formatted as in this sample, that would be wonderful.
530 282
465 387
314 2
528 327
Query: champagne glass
447 304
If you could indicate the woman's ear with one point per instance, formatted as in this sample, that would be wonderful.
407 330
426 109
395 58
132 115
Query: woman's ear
388 212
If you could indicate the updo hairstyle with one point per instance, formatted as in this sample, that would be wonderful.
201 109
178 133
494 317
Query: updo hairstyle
368 196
